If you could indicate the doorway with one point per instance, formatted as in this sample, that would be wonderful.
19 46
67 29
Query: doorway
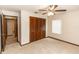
9 30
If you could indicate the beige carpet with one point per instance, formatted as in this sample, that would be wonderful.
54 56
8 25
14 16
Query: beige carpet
44 46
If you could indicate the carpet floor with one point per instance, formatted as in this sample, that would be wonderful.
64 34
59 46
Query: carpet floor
43 46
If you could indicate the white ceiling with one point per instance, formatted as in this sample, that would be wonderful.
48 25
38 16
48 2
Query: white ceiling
34 8
68 7
25 7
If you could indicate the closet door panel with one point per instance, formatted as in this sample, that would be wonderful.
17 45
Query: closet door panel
38 28
43 28
32 29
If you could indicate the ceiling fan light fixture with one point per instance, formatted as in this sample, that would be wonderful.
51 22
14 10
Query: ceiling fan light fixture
50 13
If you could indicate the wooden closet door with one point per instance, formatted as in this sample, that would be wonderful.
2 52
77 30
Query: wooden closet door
38 28
32 29
43 28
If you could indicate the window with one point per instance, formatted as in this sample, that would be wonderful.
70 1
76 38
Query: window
56 26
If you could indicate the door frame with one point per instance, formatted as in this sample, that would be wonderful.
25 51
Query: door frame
2 46
1 33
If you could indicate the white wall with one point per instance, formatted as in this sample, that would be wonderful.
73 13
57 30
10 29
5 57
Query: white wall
25 25
70 26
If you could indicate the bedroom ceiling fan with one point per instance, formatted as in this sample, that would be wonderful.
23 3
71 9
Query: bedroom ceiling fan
50 10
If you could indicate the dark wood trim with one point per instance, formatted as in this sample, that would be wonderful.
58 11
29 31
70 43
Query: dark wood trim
10 16
36 17
62 40
25 44
20 44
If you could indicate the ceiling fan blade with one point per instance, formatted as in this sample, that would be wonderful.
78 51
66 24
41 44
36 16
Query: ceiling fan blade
55 6
36 12
44 13
42 10
62 10
52 7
